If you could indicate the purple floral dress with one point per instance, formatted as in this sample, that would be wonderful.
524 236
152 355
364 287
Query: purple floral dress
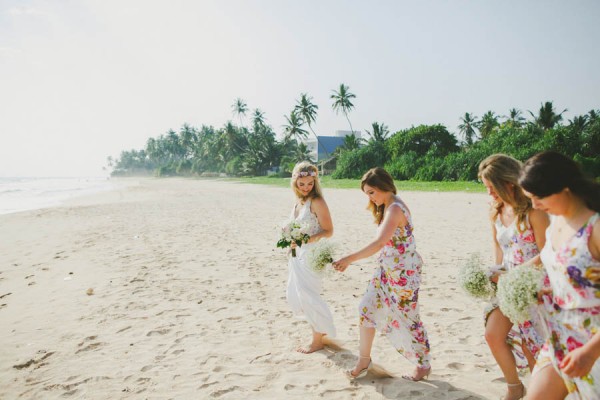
572 315
390 303
518 245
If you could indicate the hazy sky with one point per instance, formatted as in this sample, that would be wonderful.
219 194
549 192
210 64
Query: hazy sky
82 80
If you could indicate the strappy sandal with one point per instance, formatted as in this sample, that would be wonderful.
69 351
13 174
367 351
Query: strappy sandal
363 372
512 385
414 378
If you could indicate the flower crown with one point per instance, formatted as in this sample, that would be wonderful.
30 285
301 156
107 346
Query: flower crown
302 174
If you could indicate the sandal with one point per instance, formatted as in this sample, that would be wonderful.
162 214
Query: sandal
418 376
362 373
512 385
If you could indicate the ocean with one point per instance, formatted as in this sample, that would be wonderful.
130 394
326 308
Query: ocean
21 194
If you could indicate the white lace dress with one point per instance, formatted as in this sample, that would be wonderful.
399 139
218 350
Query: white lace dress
305 285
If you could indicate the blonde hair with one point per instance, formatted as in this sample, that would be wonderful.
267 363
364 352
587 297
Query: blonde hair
380 179
304 169
501 171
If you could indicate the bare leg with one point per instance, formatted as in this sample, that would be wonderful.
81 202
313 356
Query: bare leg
496 330
366 343
316 345
546 384
530 358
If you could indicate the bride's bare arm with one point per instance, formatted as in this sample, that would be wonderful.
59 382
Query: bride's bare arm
319 207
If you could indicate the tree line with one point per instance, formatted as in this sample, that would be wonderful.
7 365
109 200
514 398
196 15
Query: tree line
425 152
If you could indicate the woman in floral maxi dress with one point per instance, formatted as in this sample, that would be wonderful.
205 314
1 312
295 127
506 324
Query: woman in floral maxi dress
390 303
518 234
568 365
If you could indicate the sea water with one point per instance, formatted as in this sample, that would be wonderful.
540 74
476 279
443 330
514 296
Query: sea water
20 194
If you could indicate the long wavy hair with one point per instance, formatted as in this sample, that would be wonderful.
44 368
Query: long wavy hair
550 172
502 171
303 169
380 179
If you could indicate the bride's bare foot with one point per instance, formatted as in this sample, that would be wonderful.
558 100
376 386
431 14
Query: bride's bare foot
311 349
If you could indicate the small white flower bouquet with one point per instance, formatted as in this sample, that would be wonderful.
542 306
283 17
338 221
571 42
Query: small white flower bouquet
517 292
293 232
474 279
320 255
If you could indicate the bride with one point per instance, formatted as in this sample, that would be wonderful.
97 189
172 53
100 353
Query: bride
304 284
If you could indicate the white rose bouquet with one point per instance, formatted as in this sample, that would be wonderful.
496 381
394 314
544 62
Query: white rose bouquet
517 292
293 232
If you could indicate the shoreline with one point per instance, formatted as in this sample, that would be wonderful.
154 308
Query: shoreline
188 297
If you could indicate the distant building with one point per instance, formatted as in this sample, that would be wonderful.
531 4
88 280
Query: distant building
326 145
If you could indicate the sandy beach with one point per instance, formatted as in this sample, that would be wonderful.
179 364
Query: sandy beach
173 289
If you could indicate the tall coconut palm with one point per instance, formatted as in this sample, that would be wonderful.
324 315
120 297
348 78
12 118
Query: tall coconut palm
467 128
342 100
293 129
547 116
239 108
515 118
308 111
258 118
488 123
379 132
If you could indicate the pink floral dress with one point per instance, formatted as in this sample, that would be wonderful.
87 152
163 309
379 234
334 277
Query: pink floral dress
390 303
572 315
518 245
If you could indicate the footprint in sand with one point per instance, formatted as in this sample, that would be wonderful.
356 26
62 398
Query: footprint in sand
158 332
456 366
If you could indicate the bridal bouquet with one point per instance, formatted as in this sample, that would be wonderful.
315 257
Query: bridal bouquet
518 290
320 255
293 232
474 279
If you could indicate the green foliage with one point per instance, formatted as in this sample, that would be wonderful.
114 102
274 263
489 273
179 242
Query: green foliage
424 139
353 164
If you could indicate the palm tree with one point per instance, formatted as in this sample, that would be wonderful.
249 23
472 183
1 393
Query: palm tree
308 111
379 132
515 118
593 115
488 123
258 118
239 108
547 116
578 123
467 128
342 101
351 142
293 129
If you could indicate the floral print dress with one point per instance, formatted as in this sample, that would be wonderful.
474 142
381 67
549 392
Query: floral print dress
518 245
572 315
390 303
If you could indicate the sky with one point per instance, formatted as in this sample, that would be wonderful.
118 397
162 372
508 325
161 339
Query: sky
83 80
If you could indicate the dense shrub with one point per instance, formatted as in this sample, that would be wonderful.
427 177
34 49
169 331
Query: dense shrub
353 164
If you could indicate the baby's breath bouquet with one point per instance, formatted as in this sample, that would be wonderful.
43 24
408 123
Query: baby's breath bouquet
293 232
474 278
518 290
320 255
